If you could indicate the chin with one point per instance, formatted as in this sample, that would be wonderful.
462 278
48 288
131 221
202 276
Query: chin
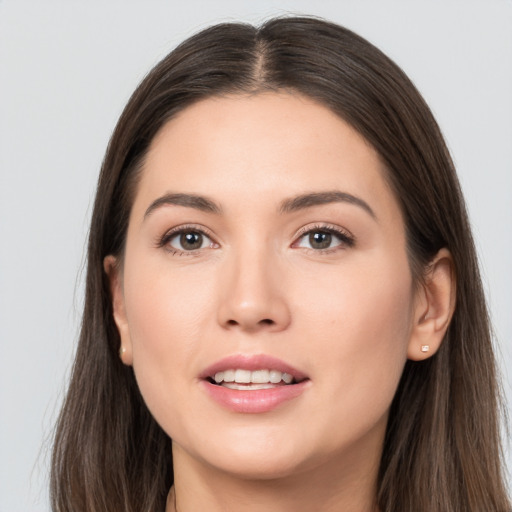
260 467
252 456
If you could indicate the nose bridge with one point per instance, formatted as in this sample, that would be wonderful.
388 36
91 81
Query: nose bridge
252 297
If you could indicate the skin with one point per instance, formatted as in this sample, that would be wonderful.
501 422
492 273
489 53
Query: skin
348 316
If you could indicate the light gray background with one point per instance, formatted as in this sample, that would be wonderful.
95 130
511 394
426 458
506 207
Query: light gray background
66 71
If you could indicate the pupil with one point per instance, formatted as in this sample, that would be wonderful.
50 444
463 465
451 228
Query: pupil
320 240
191 241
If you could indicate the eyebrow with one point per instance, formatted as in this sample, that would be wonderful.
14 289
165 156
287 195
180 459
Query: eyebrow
319 198
188 200
293 204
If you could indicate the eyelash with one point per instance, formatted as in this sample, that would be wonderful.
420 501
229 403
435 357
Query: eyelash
346 239
163 242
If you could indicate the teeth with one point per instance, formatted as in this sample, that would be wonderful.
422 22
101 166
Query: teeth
275 376
287 378
245 387
262 377
229 376
243 376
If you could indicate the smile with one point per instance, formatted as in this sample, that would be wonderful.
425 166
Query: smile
253 384
252 380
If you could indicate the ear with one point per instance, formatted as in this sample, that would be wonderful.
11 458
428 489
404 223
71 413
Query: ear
434 307
113 270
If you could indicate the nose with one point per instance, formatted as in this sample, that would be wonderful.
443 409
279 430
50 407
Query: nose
253 297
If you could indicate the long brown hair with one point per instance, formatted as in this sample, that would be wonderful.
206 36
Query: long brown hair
442 448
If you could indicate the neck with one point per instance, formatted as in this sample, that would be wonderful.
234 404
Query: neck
347 485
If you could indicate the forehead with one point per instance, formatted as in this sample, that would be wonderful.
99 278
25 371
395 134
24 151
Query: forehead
263 147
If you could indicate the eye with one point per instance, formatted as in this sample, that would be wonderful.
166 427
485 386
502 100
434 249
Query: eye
324 238
185 240
188 241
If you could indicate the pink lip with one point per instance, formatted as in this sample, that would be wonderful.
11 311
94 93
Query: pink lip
257 401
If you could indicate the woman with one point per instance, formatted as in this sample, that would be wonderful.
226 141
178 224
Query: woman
283 305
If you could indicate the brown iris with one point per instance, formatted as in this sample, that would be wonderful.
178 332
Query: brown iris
320 239
191 240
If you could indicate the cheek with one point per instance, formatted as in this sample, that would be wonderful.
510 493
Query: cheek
166 314
368 302
165 306
361 329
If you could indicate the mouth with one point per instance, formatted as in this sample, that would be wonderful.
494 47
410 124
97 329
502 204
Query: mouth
253 384
247 380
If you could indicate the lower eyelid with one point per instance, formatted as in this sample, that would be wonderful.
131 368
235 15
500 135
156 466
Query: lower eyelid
337 244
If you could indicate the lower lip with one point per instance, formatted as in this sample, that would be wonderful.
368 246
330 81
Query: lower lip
257 401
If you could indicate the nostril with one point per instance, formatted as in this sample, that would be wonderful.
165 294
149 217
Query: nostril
265 321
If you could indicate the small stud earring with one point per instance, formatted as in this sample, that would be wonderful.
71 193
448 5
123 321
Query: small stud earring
122 351
425 348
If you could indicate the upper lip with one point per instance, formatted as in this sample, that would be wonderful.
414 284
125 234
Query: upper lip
252 362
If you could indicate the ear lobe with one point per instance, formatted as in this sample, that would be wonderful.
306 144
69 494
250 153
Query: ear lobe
112 269
435 304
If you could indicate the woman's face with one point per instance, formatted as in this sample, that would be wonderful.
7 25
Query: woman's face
264 238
